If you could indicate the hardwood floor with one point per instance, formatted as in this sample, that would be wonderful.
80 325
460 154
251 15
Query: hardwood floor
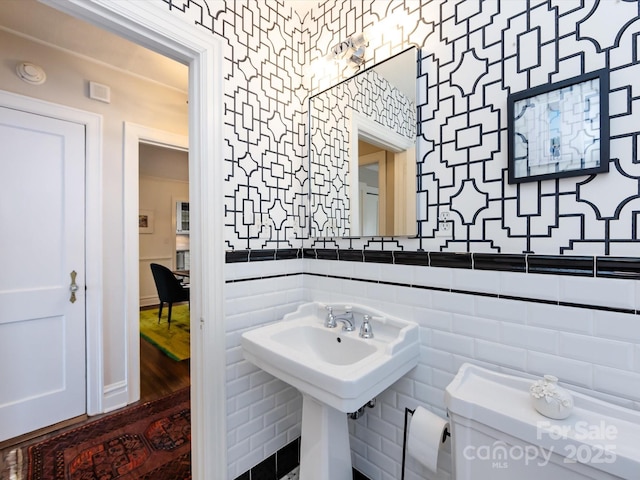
159 376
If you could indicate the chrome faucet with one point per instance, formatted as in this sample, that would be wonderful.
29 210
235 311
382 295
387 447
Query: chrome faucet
346 319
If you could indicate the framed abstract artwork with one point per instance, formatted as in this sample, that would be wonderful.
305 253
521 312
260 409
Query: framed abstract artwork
559 130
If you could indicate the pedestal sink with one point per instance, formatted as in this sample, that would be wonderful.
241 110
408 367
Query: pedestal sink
337 372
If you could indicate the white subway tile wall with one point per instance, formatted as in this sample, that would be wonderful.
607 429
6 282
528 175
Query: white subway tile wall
263 413
608 292
592 351
475 280
544 287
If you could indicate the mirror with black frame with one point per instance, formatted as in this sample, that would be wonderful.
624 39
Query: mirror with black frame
362 160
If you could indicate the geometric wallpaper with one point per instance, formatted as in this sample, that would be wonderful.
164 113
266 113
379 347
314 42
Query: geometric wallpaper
473 54
264 150
507 49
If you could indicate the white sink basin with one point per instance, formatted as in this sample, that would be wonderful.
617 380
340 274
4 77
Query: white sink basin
324 345
337 372
338 368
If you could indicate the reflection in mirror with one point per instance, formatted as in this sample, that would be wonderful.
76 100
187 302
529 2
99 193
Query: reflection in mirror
386 191
362 153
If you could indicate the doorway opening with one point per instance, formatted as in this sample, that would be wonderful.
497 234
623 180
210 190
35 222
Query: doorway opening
164 240
151 24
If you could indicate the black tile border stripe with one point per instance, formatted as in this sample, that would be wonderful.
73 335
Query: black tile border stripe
326 254
627 268
618 267
237 256
539 300
277 465
261 255
560 265
378 256
450 260
411 258
351 255
287 254
503 262
264 277
281 463
309 253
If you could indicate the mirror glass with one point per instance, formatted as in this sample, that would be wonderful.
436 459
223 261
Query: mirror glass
362 161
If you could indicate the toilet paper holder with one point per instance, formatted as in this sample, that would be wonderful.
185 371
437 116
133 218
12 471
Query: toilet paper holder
408 411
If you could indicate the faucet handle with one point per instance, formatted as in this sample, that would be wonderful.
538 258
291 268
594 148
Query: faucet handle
330 321
365 329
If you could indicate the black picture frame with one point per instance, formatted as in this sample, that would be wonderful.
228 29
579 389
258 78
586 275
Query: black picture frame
568 137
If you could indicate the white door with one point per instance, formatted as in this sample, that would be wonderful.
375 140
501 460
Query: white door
42 332
369 210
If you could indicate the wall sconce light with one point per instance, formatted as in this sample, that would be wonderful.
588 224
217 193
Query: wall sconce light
347 56
352 50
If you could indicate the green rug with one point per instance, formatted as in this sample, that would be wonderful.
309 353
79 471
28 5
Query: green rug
174 340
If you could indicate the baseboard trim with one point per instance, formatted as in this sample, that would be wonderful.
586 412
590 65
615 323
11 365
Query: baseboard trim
115 396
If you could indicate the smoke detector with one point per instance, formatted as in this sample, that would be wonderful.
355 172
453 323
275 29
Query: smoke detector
31 73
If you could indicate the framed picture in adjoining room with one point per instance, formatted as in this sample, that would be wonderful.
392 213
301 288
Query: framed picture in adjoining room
559 130
145 221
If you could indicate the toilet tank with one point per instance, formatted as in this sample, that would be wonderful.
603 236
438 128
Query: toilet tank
497 434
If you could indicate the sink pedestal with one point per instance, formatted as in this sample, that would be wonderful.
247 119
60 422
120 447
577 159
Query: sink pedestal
325 453
336 372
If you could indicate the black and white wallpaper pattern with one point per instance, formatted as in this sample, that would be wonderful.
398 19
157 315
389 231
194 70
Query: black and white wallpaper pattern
507 49
473 54
264 151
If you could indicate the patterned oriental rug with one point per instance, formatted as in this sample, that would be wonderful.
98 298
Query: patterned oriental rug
150 441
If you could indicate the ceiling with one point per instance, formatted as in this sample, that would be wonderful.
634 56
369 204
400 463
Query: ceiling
44 24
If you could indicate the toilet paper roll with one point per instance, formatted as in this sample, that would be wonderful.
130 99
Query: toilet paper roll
426 431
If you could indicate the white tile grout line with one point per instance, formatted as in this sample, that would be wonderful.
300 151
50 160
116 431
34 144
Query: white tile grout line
292 475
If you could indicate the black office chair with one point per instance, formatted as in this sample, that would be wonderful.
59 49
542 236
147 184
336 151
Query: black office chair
170 290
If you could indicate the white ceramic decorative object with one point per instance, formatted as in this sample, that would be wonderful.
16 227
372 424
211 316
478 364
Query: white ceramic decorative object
551 400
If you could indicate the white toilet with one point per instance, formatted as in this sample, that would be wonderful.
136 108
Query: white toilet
497 434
